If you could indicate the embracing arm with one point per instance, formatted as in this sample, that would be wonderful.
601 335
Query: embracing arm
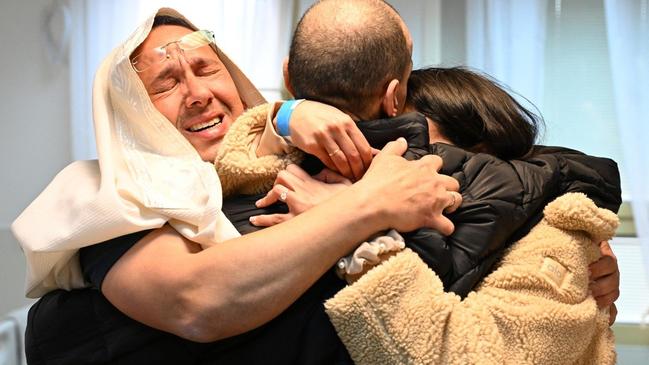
237 285
165 281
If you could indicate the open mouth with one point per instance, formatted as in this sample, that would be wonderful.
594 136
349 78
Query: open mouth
205 125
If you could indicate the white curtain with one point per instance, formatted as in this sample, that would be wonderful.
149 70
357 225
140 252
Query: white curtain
254 33
506 39
97 27
627 24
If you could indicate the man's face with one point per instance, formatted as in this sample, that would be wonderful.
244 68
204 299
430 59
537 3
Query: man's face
192 89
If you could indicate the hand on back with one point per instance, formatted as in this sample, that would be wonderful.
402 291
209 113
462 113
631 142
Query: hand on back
411 194
332 136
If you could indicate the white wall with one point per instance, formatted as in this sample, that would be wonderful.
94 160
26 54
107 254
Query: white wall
34 132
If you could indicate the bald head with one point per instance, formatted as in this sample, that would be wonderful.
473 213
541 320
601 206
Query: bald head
344 53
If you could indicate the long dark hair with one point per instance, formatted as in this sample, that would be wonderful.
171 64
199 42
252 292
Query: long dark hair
473 111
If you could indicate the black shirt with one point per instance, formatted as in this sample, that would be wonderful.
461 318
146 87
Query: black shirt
96 260
83 327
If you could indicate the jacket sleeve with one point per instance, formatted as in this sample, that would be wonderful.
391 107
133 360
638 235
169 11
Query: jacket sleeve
534 308
493 209
597 177
239 169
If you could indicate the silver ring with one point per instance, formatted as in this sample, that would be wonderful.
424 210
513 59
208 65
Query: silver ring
453 199
282 195
334 152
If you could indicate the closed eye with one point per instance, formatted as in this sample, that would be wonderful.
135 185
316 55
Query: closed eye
163 85
205 67
206 71
164 80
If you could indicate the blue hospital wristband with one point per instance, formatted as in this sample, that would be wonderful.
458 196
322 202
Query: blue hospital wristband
284 116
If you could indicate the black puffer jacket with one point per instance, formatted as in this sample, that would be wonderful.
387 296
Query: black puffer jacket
502 200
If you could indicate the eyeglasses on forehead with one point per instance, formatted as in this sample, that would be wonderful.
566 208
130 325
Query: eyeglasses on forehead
188 42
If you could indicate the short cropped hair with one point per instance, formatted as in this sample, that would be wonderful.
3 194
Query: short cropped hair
342 65
170 20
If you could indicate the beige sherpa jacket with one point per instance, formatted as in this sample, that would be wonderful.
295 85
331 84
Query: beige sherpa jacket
239 171
533 309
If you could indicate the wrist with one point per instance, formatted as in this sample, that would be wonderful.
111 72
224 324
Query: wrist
373 215
283 117
273 115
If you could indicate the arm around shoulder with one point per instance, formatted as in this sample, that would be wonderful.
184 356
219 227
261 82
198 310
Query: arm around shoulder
234 286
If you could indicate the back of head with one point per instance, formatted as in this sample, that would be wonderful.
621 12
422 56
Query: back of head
473 111
344 52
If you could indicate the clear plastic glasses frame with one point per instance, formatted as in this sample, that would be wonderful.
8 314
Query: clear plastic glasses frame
152 56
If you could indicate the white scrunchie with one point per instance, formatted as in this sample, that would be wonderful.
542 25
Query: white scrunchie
369 253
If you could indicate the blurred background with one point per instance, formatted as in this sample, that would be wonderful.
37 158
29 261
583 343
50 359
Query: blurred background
583 63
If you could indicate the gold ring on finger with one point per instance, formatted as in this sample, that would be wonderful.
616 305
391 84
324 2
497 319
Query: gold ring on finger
334 152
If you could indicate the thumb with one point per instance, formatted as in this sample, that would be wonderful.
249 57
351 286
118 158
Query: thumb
397 147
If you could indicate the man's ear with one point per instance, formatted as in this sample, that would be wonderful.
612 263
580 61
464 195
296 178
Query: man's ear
287 78
390 102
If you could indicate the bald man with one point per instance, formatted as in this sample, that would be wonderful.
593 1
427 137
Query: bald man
354 55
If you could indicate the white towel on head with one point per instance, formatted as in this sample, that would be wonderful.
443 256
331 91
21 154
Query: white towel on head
147 174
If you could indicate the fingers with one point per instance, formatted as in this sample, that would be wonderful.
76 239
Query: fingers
332 136
605 266
291 180
456 201
355 153
605 278
443 225
612 314
347 153
605 290
453 198
606 250
287 180
268 220
606 300
334 157
346 158
434 161
365 151
351 156
397 148
450 183
278 193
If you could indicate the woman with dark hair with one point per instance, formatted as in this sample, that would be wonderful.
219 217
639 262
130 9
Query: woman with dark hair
538 306
400 312
486 139
472 111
